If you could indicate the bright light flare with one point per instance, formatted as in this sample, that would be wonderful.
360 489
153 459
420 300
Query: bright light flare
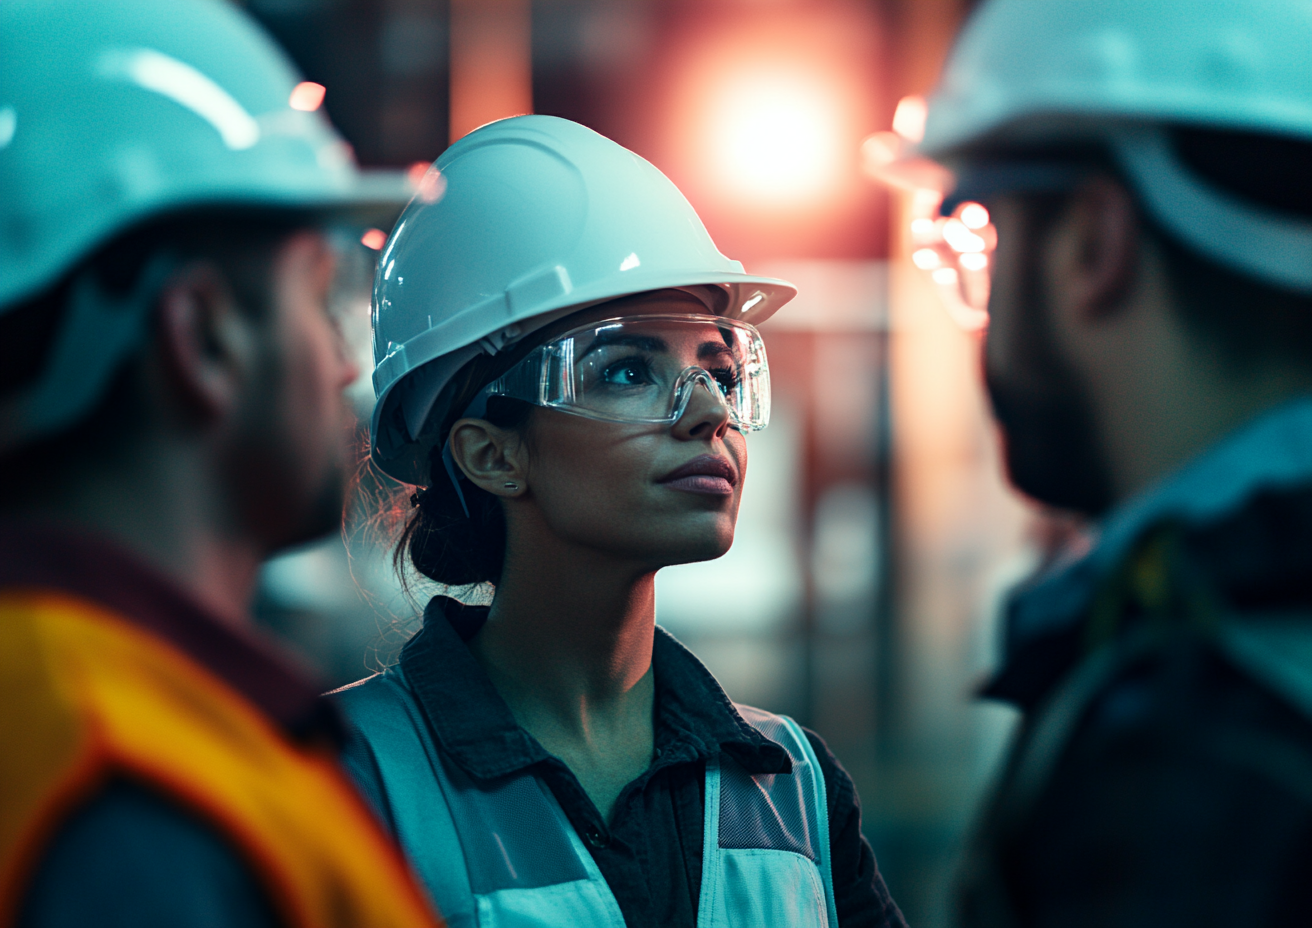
923 230
307 96
961 239
973 215
429 182
926 259
955 252
909 118
778 137
374 239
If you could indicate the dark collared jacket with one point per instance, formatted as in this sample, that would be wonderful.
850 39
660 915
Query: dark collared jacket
1163 773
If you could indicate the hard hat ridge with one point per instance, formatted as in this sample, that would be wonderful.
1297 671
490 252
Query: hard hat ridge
535 217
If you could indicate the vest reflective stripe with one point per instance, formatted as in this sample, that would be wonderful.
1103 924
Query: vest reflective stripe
765 845
89 695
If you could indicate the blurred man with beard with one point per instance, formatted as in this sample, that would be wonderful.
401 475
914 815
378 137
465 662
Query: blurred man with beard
171 414
1148 170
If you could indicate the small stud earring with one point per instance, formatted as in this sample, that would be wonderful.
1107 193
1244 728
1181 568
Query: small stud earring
511 486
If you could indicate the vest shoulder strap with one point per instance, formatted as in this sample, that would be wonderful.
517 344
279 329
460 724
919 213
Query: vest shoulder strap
523 864
392 759
761 815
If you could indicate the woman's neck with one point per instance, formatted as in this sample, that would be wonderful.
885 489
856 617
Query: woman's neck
571 639
568 647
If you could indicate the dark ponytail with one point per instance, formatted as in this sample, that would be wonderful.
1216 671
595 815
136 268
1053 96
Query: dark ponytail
442 543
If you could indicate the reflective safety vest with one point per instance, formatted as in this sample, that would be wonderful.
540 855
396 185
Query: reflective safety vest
765 845
86 695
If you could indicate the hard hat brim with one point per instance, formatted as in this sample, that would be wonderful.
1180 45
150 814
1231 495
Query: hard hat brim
377 197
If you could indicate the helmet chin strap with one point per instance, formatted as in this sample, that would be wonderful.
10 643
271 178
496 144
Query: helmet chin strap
96 336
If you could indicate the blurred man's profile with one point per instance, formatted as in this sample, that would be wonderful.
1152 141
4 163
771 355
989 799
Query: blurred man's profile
1148 170
170 415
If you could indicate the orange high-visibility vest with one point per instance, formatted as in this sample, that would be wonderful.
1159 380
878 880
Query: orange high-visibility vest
85 695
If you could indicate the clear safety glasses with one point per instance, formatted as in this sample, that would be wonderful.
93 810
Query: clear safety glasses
645 369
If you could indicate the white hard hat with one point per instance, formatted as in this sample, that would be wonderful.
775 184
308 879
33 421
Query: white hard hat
1125 71
518 223
114 112
1041 67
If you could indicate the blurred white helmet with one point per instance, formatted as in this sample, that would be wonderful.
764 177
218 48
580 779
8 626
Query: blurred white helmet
1122 72
114 112
1036 68
519 223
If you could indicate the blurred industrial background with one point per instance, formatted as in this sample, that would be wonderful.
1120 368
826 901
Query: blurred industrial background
877 534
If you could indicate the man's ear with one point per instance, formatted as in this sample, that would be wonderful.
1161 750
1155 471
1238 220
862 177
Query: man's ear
492 458
1093 250
206 345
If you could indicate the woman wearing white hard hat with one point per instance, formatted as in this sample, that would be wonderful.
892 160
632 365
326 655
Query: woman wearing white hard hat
567 365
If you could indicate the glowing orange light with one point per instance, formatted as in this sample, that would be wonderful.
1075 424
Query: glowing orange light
945 276
432 186
778 136
416 172
973 215
374 238
975 261
307 96
909 118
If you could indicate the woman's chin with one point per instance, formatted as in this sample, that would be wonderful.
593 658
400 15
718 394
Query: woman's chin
692 551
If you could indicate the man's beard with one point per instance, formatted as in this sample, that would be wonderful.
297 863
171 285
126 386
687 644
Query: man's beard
1049 440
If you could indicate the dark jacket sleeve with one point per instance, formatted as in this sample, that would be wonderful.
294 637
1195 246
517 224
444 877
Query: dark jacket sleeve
860 895
130 858
1181 799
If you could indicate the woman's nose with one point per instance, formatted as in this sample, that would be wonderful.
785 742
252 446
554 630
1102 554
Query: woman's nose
706 414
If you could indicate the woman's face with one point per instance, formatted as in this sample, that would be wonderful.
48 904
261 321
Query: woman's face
656 494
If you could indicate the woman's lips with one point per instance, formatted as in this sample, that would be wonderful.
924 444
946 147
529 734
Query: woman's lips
706 473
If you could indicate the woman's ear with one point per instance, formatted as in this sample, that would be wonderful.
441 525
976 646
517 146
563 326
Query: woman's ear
491 457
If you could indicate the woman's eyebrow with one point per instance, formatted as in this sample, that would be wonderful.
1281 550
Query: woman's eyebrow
642 342
711 349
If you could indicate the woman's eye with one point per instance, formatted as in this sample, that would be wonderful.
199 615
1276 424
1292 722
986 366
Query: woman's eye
726 377
628 373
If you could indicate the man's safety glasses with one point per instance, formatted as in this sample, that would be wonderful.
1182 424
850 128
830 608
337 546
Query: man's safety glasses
645 369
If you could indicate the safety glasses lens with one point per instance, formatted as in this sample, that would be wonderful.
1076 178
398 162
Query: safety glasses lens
648 368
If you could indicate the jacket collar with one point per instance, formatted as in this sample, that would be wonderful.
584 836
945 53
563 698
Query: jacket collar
1271 454
694 718
1236 503
57 558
